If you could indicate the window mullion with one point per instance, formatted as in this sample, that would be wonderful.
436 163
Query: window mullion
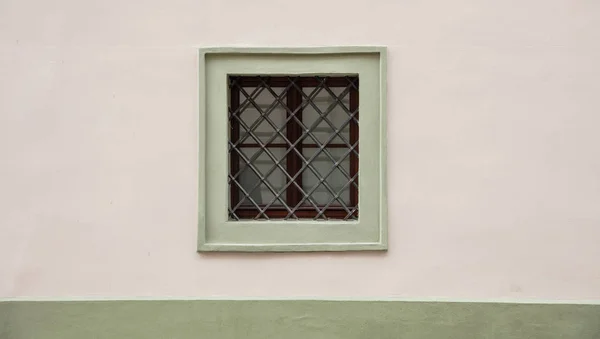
293 133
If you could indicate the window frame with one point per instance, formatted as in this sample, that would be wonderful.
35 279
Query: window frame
293 100
215 231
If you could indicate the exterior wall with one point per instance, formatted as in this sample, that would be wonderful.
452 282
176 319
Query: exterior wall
494 155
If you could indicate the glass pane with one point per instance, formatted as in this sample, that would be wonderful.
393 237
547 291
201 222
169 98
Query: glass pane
336 180
324 101
264 164
251 115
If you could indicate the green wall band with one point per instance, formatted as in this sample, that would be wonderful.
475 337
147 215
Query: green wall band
295 319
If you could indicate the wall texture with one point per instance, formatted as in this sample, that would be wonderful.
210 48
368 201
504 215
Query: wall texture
494 156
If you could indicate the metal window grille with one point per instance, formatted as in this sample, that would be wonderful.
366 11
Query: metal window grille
293 147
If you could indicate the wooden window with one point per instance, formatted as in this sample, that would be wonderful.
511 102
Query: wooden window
293 147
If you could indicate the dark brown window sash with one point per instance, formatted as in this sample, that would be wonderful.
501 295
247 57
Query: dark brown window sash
254 81
333 212
234 158
354 139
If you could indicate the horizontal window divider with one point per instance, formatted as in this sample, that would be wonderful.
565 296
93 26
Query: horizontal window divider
284 145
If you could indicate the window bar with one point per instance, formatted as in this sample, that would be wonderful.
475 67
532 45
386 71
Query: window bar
232 211
235 82
277 164
322 181
290 180
352 85
336 197
322 148
297 131
250 101
264 117
308 130
249 130
323 115
262 181
307 164
275 160
277 195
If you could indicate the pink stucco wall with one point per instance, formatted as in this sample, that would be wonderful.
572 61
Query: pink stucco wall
494 148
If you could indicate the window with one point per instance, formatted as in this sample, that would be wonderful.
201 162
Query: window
280 167
293 146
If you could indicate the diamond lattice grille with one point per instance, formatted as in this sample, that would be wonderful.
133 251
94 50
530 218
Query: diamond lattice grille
293 147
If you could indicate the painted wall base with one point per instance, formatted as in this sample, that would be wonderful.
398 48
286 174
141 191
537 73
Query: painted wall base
301 319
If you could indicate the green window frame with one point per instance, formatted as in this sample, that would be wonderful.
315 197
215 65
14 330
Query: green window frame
216 231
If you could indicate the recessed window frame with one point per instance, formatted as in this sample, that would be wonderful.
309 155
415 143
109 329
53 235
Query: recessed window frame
215 231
